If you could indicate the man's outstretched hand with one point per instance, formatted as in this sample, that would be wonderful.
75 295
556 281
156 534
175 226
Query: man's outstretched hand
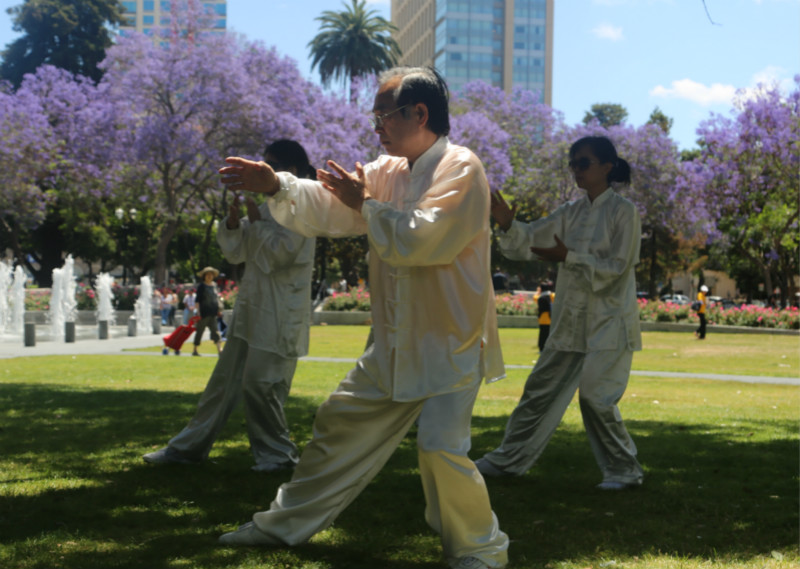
250 176
351 189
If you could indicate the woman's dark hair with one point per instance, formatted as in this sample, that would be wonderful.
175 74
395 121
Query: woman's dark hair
603 149
290 153
422 85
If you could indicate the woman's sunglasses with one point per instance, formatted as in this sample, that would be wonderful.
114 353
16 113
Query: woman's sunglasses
581 164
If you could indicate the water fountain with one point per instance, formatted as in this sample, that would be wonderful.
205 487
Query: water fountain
18 302
69 302
143 308
5 283
62 299
105 308
56 312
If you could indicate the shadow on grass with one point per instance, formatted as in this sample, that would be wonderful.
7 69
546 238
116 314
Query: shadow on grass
75 487
710 491
79 454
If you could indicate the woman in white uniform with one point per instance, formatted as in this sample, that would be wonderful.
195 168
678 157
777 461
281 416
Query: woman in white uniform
267 333
595 320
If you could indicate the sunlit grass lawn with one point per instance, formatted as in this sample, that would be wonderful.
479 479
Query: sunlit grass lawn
721 463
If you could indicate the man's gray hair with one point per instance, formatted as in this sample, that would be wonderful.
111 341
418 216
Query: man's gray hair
422 85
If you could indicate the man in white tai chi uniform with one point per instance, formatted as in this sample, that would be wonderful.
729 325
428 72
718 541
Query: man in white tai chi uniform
267 333
425 210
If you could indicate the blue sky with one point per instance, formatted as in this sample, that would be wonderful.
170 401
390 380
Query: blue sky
638 53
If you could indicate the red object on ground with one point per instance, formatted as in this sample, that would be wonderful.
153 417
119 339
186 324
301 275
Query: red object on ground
177 337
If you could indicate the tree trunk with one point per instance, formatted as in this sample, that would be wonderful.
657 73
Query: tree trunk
652 292
167 233
768 282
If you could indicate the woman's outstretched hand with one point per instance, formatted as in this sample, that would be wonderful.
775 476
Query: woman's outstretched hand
556 254
501 213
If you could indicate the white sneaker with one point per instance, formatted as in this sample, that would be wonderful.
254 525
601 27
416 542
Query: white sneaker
470 562
488 469
167 455
247 534
272 467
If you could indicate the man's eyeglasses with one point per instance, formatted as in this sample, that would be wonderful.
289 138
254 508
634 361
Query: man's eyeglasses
377 120
581 164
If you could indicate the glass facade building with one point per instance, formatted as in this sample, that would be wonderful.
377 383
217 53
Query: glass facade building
146 15
508 43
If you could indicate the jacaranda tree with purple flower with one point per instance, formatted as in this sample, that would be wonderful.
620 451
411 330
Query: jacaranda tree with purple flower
69 141
747 177
195 100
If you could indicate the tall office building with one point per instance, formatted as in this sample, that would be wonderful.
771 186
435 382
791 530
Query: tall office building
508 43
145 15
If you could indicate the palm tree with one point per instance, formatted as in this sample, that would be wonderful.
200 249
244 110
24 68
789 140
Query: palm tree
352 44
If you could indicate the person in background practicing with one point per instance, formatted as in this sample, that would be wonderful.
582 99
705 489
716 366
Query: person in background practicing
702 298
268 331
595 322
425 211
208 307
544 298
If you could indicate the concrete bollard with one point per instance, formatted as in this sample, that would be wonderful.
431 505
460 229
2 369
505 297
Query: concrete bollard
69 332
132 326
156 324
102 329
30 334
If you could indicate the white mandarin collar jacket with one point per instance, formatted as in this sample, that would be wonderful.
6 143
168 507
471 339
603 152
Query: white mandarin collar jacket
273 305
595 304
433 312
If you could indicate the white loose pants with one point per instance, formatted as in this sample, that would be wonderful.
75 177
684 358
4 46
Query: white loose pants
355 432
263 380
601 378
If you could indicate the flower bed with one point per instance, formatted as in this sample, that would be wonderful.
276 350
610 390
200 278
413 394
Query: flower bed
358 300
85 297
354 300
748 315
516 305
228 297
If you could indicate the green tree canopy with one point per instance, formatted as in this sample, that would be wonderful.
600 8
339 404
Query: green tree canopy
607 114
353 43
70 34
658 118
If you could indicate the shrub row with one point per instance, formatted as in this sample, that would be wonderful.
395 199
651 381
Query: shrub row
358 300
125 297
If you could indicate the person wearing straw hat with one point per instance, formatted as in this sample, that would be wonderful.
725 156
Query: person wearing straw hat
208 307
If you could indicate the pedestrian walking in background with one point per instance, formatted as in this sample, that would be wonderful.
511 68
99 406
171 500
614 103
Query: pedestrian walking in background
189 308
167 307
701 305
544 298
208 308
